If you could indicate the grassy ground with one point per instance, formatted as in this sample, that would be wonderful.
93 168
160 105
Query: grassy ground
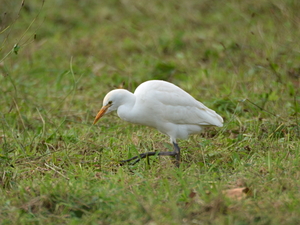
59 59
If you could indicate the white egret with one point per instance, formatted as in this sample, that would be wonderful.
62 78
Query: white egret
164 106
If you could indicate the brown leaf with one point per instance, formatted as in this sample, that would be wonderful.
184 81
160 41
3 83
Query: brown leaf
236 193
192 194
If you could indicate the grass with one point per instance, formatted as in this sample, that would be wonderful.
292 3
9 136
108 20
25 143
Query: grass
57 61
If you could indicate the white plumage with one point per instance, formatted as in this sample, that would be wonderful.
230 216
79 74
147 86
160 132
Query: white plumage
164 106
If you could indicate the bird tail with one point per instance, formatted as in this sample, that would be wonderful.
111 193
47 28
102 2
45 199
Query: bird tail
213 118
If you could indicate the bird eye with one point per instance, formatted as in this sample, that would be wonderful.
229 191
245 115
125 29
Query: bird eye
110 102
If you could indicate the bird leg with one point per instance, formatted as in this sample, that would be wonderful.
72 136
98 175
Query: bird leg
177 153
137 158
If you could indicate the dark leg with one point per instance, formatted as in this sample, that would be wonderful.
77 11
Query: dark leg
175 153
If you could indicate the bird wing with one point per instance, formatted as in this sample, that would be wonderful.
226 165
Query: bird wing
174 105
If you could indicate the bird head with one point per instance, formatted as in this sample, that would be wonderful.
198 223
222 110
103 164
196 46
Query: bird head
111 102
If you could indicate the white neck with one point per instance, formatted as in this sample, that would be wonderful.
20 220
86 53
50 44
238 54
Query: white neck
125 110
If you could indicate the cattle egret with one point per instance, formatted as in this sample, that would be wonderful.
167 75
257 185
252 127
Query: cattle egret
164 106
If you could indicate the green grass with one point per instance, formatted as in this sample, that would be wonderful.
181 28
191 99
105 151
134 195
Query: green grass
60 58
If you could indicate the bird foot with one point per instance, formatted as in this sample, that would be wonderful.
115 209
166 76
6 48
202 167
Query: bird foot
146 154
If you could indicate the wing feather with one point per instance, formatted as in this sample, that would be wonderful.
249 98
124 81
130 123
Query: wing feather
175 105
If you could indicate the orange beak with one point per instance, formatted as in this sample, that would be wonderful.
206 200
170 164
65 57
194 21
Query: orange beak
101 113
